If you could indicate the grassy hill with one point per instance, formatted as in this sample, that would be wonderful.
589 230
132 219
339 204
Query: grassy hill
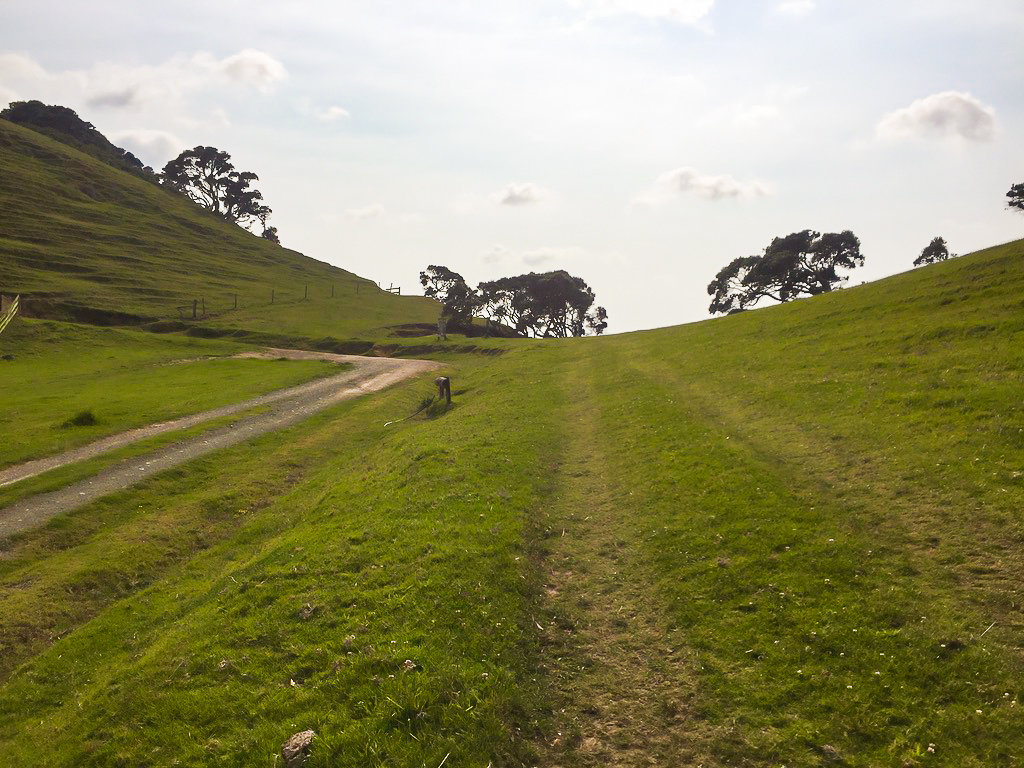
84 241
790 536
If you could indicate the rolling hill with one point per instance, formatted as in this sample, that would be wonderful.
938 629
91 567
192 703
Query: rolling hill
83 241
792 536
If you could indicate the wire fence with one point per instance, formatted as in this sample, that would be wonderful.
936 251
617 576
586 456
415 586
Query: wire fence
197 308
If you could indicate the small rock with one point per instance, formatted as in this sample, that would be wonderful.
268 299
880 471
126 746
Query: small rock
296 749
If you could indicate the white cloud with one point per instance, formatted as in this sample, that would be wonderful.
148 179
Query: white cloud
691 181
151 146
534 257
21 78
374 211
949 114
551 254
252 67
518 194
111 85
797 7
331 114
16 65
680 11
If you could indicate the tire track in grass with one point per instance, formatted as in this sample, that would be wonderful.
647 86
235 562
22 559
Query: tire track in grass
622 683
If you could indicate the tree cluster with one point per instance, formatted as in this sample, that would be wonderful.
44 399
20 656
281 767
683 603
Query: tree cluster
934 252
804 263
207 177
549 305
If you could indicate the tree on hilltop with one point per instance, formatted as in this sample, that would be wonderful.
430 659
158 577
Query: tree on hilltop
207 177
935 251
1016 195
800 264
64 125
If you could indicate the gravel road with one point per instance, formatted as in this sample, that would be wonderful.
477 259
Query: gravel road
288 406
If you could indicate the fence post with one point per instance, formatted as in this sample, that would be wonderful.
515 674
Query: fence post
236 302
271 295
305 293
195 303
204 305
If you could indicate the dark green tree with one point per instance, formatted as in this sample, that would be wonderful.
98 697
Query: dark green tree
270 233
803 263
458 300
548 305
1016 196
935 251
207 177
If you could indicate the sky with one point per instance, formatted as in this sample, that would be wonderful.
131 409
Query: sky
641 145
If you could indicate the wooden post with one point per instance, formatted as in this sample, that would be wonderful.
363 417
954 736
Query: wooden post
204 305
236 302
271 295
305 293
195 303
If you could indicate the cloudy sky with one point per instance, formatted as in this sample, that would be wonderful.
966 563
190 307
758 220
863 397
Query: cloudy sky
638 144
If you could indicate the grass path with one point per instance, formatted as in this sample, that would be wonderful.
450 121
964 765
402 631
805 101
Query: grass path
623 685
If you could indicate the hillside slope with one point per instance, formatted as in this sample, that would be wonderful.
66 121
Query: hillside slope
787 537
81 240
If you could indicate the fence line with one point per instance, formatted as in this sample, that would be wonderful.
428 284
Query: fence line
10 313
196 308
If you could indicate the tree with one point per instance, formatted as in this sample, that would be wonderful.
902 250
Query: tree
549 305
728 287
457 299
270 233
804 263
935 251
597 321
1016 195
207 177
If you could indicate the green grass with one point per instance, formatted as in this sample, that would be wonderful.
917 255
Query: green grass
100 245
69 385
791 536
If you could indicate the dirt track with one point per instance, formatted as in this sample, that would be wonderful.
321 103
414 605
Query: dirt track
289 406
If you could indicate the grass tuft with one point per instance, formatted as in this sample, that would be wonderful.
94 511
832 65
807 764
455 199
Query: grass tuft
84 418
